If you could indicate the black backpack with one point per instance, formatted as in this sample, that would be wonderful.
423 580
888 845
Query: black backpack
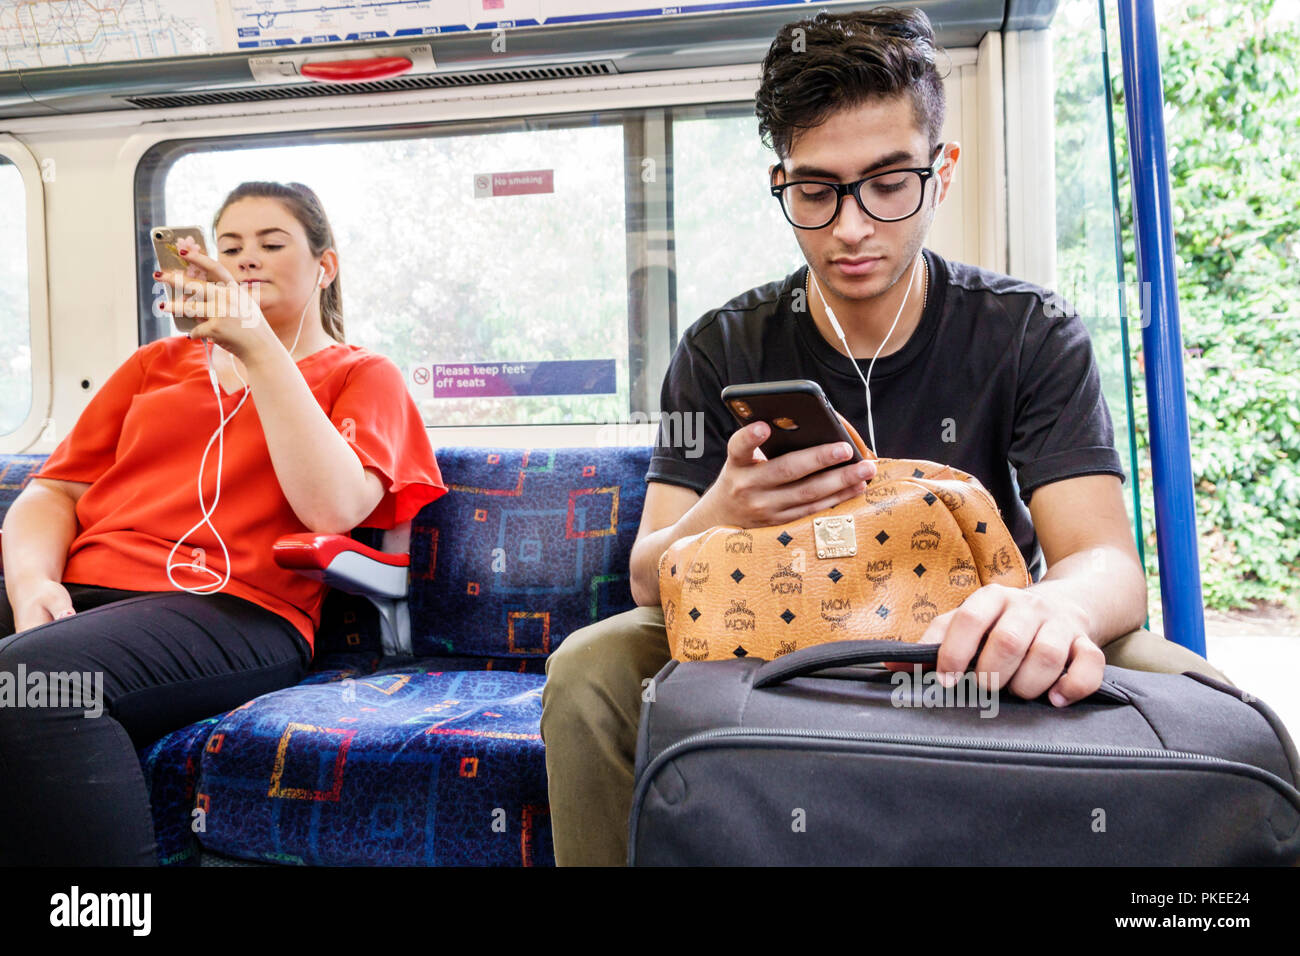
810 759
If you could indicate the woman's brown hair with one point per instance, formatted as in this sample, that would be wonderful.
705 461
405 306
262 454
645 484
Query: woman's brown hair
307 209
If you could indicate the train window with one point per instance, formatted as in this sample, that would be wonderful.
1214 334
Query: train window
1088 270
15 313
488 260
720 207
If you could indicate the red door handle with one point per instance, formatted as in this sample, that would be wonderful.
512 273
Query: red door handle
347 71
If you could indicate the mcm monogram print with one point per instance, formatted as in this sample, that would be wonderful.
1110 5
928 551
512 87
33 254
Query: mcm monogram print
786 580
951 497
924 610
738 617
1000 563
963 574
925 538
739 542
695 648
837 611
882 498
879 571
697 576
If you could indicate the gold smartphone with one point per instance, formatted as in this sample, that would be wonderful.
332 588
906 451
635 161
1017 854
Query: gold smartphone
164 250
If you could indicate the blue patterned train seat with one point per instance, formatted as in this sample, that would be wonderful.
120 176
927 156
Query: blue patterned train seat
407 766
528 546
435 759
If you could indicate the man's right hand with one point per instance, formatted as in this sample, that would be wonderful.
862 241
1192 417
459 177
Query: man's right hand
755 492
41 603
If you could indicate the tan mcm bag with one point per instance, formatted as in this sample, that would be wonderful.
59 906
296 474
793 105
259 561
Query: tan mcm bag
882 565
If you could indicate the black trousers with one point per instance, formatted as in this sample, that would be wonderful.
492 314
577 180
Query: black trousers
72 791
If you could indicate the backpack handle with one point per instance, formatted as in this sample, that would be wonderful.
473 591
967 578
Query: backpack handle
848 653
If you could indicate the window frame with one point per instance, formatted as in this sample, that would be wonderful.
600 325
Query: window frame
25 438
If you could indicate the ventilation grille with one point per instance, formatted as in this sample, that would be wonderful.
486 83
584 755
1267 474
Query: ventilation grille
424 81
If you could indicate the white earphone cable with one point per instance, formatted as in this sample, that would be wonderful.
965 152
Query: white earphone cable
835 324
219 437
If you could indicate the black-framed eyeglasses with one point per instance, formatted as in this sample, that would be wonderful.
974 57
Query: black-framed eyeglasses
891 196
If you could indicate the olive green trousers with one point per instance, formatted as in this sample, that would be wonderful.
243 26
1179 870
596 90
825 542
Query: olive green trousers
591 706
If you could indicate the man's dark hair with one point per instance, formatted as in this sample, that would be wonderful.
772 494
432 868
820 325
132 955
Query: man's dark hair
830 62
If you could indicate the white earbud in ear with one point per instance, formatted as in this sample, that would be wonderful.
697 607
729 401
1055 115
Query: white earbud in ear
938 184
320 277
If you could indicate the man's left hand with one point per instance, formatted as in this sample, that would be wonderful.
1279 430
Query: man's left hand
1036 643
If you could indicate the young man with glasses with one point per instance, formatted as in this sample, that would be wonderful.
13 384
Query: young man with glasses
962 366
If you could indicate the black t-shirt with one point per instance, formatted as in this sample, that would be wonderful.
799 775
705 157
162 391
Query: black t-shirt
998 380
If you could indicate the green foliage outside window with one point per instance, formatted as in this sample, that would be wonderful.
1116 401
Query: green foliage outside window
1232 125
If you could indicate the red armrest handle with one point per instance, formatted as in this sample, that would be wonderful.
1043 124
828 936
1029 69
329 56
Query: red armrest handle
314 552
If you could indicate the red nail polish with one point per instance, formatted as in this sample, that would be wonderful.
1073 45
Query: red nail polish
157 275
182 252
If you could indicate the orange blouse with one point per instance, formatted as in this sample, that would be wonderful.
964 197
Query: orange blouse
138 445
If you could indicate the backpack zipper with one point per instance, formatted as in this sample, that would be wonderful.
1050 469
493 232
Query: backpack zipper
968 743
962 743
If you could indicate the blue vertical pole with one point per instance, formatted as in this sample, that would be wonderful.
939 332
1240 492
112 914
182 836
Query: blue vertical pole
1162 341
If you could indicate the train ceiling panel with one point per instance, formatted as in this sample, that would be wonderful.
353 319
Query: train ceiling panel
82 56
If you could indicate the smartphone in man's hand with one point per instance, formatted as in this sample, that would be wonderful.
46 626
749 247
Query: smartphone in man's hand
796 411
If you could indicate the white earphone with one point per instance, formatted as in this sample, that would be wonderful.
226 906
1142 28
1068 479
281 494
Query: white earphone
219 437
835 324
937 185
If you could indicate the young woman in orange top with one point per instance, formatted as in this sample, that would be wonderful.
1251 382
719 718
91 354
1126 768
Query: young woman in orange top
106 570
